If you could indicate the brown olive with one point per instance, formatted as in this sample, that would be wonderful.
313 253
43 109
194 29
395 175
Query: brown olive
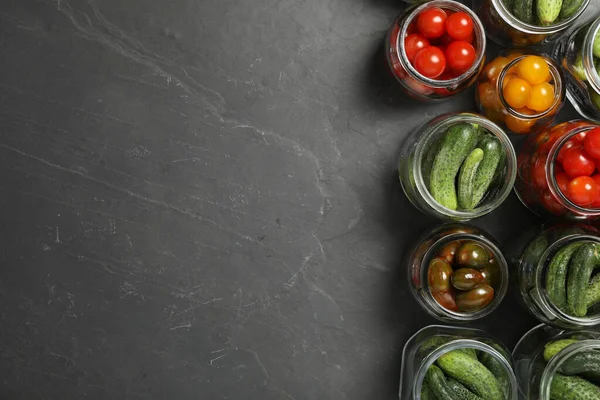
491 273
466 278
439 275
449 250
475 299
472 255
446 300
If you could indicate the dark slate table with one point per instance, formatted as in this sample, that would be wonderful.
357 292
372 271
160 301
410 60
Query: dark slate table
199 201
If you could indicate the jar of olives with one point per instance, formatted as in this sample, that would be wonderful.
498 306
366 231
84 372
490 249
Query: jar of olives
457 273
430 356
552 363
556 276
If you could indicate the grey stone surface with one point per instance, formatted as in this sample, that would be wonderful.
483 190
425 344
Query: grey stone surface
199 201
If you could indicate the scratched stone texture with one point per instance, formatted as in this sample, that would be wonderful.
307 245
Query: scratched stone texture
199 201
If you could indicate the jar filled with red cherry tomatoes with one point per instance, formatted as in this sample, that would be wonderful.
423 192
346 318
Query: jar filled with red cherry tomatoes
436 50
518 23
521 92
458 273
559 171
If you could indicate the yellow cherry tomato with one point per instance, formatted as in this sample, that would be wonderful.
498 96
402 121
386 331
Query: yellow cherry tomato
533 69
488 95
541 97
520 125
516 92
493 69
507 79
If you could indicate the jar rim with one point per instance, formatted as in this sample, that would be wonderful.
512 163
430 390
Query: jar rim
562 356
531 29
588 56
480 37
499 294
559 87
464 343
444 121
551 176
544 302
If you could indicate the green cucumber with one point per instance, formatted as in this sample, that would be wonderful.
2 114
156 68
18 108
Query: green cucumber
556 278
472 374
583 262
438 384
466 178
597 45
459 389
578 67
585 364
497 369
572 388
427 162
592 293
523 10
492 159
508 4
569 8
458 141
553 348
595 97
426 392
548 10
535 248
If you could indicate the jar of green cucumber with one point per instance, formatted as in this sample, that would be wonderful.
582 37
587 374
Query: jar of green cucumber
457 166
554 364
457 273
557 278
442 362
578 51
522 23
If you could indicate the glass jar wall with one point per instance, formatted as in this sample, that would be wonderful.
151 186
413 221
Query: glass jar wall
457 273
433 155
485 365
413 82
579 55
511 25
555 276
552 363
541 183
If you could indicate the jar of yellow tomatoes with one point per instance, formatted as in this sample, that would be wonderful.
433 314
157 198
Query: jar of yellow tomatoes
521 92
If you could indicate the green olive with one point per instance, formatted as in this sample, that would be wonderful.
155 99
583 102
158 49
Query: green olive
466 278
472 255
439 274
475 299
491 273
449 250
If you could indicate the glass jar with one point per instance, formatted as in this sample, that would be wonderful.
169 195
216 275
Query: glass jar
412 82
492 102
457 273
535 374
430 343
546 279
576 54
418 153
507 30
536 184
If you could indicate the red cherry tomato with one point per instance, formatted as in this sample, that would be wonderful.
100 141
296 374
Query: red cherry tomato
460 55
430 62
562 180
591 143
432 23
596 203
413 44
459 25
573 142
576 162
552 205
583 191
